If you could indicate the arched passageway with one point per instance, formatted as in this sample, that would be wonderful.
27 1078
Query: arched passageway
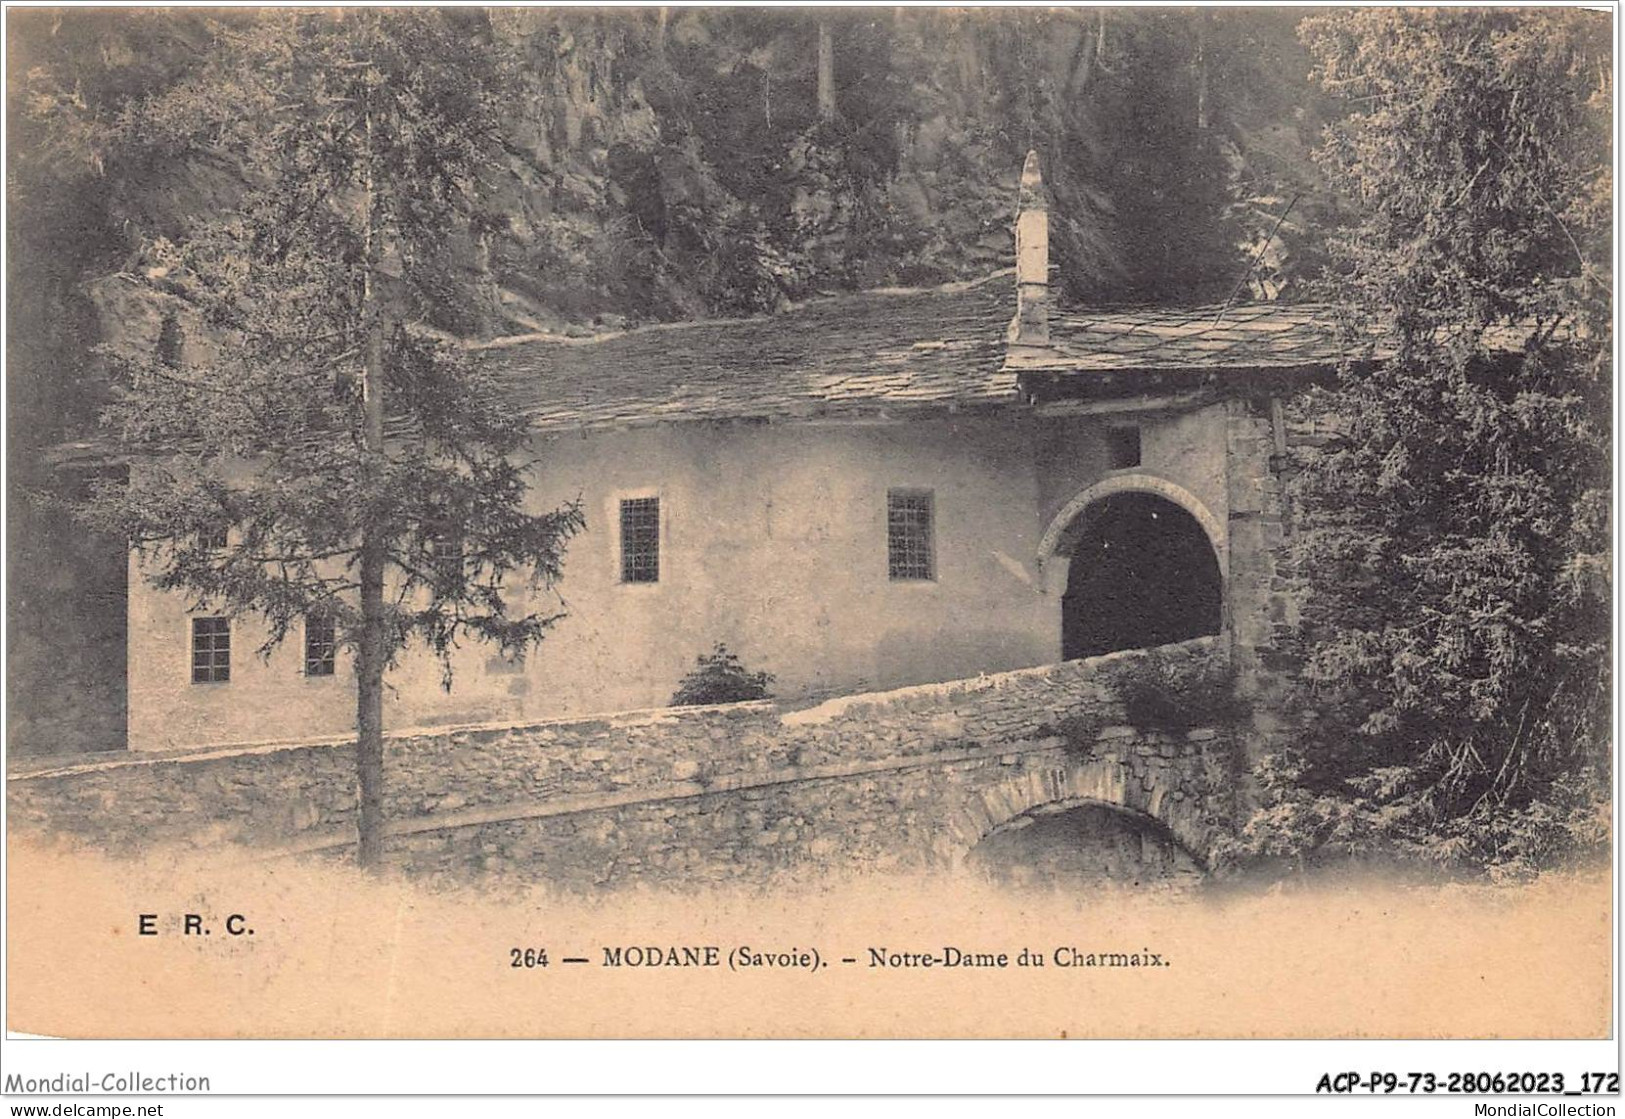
1067 845
1142 573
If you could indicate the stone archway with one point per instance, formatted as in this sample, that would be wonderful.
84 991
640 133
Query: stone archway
1142 574
1055 544
1135 561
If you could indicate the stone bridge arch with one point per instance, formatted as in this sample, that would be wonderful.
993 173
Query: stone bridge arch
1106 781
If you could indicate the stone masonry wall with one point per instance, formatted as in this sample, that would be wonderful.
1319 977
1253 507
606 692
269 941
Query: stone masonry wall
736 792
1262 598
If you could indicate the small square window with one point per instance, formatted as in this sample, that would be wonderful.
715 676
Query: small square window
211 650
213 538
910 548
320 644
640 540
1123 447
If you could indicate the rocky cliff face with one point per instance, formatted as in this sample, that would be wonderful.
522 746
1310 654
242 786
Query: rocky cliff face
679 166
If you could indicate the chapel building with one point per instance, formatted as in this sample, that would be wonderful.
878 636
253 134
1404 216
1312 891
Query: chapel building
866 491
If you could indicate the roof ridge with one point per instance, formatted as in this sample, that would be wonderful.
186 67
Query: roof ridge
1192 310
951 288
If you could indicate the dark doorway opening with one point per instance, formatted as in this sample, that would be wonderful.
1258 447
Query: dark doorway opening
1142 573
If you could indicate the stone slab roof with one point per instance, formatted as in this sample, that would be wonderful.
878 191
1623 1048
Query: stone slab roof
881 352
885 352
890 351
1246 336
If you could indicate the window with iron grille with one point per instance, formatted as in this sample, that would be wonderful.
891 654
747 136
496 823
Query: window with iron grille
640 540
910 551
213 538
211 650
320 644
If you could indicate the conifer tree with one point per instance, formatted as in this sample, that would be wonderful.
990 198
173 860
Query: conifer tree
1455 534
361 468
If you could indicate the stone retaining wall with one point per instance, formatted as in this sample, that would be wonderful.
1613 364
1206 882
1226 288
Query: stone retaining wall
724 792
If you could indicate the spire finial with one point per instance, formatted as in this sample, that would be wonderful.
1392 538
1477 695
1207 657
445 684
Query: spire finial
1032 185
1030 327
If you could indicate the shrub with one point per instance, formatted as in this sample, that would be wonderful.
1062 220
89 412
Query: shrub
719 677
1077 734
1163 695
